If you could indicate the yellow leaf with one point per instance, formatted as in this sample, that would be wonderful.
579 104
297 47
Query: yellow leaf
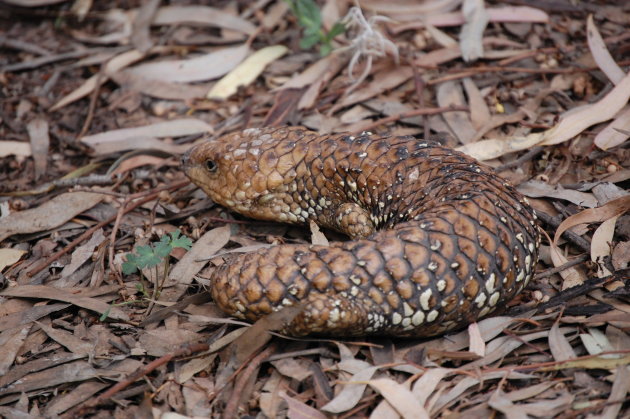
246 72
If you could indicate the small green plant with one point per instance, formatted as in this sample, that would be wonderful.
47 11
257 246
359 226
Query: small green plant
153 254
310 18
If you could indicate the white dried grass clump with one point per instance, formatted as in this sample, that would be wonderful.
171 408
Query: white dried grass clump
368 43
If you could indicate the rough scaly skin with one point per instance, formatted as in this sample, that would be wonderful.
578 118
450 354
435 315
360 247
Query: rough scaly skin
439 241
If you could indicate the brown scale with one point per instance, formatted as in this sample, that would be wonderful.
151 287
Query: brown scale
438 240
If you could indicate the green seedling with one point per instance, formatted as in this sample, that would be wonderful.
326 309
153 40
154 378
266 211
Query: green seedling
150 257
310 19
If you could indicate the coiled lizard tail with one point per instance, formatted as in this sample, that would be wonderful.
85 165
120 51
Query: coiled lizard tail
438 240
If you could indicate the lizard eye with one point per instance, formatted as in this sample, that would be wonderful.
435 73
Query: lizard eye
211 166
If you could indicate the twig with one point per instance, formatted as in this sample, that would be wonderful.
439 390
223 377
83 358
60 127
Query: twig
184 351
570 293
419 84
231 408
100 78
23 46
415 112
568 235
557 269
525 157
37 269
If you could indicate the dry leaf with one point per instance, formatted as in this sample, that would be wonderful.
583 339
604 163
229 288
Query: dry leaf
538 189
50 293
470 38
601 245
571 276
299 410
317 237
113 65
10 256
616 132
203 67
593 215
14 148
194 260
202 15
50 214
600 53
619 390
173 128
351 392
493 148
450 94
246 72
559 345
40 142
400 397
573 123
477 344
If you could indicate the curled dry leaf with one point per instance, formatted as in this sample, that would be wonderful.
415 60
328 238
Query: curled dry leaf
50 214
592 215
600 53
246 72
538 189
573 123
470 38
571 276
601 244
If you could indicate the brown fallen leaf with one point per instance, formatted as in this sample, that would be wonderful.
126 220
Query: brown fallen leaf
559 346
577 120
400 397
193 261
40 142
52 377
50 214
593 215
51 293
352 391
450 94
257 335
299 410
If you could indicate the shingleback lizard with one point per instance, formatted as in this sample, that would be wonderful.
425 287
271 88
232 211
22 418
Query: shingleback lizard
438 240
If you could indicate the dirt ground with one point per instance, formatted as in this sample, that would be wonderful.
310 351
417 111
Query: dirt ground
106 247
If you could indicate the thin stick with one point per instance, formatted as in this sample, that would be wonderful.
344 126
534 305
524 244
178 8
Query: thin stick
88 233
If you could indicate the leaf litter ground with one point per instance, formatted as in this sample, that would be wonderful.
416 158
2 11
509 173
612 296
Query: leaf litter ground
98 103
